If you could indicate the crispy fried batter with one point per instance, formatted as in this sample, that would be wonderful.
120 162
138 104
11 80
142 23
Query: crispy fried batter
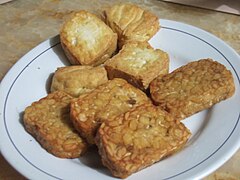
139 138
138 63
48 121
87 40
192 88
104 102
77 80
131 23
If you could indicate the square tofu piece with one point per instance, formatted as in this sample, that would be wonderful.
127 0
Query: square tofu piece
138 63
131 23
106 101
139 138
77 80
192 88
87 40
48 121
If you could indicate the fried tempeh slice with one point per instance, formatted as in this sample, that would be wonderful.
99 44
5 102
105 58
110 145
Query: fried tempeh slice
139 138
77 80
87 40
192 88
106 101
131 23
138 63
48 121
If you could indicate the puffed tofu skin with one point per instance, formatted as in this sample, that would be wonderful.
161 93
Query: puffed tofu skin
192 88
87 40
139 138
77 80
138 63
108 100
48 121
131 23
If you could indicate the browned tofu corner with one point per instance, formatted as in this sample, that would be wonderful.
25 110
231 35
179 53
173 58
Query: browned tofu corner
87 40
138 63
77 80
131 23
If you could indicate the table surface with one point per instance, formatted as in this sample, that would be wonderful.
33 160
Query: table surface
26 23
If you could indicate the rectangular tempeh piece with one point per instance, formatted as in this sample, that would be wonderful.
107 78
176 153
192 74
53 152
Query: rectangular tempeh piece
48 121
106 101
192 88
138 63
139 138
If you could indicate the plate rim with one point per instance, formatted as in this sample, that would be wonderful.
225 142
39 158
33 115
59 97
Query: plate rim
22 62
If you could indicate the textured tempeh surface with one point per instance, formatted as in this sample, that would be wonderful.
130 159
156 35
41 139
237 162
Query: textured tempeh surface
106 101
139 138
48 121
192 88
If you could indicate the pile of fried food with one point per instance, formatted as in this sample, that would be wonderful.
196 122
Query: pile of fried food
119 95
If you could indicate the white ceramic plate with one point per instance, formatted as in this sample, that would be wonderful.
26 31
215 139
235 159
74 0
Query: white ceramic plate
215 132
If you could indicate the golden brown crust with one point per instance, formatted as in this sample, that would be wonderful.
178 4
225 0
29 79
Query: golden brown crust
48 121
87 40
77 80
138 63
192 88
131 23
106 101
71 58
139 138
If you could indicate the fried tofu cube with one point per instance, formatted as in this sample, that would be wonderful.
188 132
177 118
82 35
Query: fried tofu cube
106 101
48 121
131 23
87 40
138 63
139 138
77 80
192 88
